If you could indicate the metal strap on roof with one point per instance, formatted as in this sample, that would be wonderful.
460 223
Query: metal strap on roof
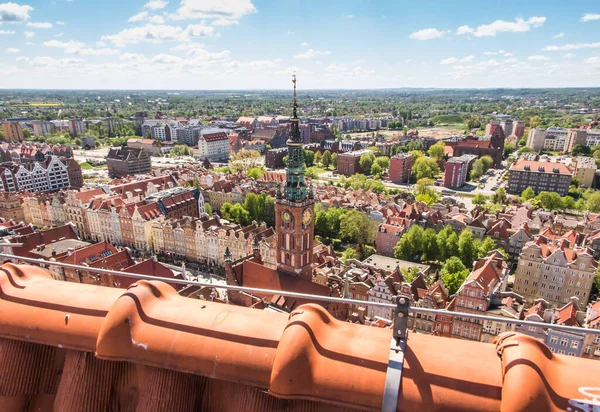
415 309
393 375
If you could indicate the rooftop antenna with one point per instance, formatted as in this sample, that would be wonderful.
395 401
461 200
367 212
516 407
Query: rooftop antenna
295 105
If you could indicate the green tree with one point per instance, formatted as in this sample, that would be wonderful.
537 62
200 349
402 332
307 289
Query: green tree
376 169
477 170
568 203
480 199
430 245
466 247
581 150
410 245
334 157
486 246
349 253
454 274
499 196
309 157
208 209
409 273
488 162
550 201
366 161
383 162
509 147
255 173
356 227
326 159
424 167
593 202
527 194
436 151
318 158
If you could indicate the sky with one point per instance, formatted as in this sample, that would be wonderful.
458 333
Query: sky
328 44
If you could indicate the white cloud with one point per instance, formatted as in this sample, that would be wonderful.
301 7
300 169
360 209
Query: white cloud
40 25
575 46
7 32
558 35
198 51
144 16
156 5
304 44
158 33
342 70
590 17
224 22
311 54
501 52
464 30
29 34
426 34
76 47
538 57
12 50
199 9
453 60
166 59
14 13
594 59
501 26
350 16
59 34
449 60
60 23
100 44
569 55
132 56
22 59
43 61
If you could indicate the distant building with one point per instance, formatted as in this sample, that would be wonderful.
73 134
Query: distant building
559 139
457 170
490 145
213 146
400 168
13 131
556 270
274 158
42 127
349 163
46 176
126 161
149 146
585 171
11 207
540 176
188 135
75 126
87 142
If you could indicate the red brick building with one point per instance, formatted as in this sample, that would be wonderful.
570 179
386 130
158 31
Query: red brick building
349 163
490 145
400 168
457 170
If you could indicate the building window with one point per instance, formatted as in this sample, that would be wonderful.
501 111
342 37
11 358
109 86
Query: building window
564 342
575 344
554 340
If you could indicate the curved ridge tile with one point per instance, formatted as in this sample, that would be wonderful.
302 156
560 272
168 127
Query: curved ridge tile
323 359
536 379
152 325
50 312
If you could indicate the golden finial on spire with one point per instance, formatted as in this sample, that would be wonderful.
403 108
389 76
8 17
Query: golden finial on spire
295 105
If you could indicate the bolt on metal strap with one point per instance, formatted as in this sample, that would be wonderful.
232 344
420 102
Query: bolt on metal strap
393 376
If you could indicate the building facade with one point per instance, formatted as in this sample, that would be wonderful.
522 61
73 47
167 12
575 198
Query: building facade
400 168
540 176
126 161
457 170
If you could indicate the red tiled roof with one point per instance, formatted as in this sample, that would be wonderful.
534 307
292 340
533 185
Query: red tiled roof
534 166
89 254
213 137
567 315
140 350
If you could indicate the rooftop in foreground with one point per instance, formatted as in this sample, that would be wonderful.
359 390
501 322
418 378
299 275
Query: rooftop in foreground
67 347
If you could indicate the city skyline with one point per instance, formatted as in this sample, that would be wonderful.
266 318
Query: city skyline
250 44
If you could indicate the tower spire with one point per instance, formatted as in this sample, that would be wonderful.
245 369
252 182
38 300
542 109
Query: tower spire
295 105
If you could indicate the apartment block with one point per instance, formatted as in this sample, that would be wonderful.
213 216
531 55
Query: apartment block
126 161
48 175
555 270
349 163
585 171
13 131
457 170
213 146
540 176
400 168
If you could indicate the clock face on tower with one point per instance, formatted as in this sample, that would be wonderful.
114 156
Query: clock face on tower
286 216
307 217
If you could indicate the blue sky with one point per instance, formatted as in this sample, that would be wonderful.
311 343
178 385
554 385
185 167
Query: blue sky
258 44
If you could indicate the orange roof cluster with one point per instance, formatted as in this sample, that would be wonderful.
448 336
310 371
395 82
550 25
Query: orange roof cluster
523 164
67 346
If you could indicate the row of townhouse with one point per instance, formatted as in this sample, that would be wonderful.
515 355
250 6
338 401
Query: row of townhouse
49 175
205 239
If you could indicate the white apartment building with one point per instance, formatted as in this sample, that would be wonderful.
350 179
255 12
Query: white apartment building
50 175
213 146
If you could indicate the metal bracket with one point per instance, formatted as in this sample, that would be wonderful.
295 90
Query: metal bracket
393 376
